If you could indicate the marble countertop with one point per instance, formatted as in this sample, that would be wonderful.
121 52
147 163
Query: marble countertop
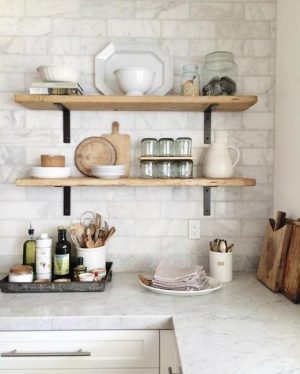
241 329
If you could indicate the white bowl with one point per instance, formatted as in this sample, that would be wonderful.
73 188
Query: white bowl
61 73
134 81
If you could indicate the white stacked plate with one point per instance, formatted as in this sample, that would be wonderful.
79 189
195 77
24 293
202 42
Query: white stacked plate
49 172
108 171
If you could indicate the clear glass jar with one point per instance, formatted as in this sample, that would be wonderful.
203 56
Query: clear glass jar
190 81
166 147
183 146
149 147
219 74
185 169
166 169
148 169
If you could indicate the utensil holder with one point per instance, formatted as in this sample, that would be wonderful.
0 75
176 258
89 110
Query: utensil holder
93 258
220 265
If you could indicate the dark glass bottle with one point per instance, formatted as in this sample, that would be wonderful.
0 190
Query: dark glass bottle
62 256
29 249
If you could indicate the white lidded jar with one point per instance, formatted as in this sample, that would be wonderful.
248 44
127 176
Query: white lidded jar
43 257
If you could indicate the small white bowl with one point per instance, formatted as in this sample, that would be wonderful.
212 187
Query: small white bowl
134 81
52 73
86 277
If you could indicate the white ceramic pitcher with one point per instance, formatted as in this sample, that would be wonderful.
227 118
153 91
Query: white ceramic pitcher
218 162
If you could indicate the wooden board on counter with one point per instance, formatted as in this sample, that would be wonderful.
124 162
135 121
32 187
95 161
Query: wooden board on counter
136 103
135 182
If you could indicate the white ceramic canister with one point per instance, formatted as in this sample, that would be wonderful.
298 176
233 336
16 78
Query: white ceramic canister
93 257
220 265
43 257
218 162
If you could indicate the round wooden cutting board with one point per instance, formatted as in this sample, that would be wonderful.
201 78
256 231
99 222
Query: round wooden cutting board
94 151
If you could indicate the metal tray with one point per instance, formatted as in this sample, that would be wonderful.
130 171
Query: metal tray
24 287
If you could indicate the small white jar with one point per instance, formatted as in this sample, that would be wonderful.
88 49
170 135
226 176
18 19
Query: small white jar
20 273
86 277
43 257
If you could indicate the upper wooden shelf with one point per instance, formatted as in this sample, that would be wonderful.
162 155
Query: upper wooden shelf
136 103
135 182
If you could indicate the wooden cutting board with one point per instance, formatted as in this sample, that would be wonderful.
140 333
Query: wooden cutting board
273 255
291 277
92 151
121 142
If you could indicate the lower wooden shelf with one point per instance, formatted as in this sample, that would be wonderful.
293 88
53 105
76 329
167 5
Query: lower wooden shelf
135 182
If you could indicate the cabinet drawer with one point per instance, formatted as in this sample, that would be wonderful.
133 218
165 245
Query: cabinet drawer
86 371
108 349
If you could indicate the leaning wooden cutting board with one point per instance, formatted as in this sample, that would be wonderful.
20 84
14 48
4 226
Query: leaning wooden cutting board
273 256
121 142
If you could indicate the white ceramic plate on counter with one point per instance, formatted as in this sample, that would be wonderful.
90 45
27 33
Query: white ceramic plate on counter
120 55
213 285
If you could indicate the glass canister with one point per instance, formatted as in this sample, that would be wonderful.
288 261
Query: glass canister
185 169
190 80
166 169
166 147
149 147
183 146
148 169
219 74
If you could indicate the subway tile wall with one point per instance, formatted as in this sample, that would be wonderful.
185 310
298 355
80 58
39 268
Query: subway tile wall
150 222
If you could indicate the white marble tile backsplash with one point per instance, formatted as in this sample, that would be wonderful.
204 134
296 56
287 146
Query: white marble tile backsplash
150 222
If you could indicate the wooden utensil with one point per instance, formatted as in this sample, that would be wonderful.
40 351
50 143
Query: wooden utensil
121 142
92 151
280 220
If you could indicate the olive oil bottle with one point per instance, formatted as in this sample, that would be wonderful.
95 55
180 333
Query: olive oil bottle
29 249
62 256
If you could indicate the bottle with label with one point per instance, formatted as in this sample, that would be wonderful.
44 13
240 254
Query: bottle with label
43 257
62 256
29 249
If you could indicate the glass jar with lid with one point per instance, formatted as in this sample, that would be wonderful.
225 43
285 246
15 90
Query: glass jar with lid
219 74
190 80
166 147
148 169
185 169
183 146
166 169
149 147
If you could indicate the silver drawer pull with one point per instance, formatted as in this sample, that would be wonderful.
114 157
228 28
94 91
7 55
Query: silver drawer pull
14 353
171 372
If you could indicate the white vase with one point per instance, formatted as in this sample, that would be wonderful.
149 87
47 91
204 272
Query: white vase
218 162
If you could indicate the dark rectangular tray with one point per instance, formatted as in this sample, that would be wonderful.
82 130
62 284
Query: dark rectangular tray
73 286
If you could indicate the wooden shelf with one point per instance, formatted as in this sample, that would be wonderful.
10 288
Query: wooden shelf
134 182
136 103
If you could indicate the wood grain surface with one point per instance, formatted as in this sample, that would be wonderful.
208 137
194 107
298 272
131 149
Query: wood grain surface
121 142
94 151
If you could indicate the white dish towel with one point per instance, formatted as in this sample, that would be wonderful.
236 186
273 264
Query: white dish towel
170 277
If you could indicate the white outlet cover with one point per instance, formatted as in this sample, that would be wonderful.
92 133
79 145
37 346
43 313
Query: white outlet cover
194 229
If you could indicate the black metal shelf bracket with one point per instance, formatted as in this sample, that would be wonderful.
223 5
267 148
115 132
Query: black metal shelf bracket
206 201
207 123
67 201
66 123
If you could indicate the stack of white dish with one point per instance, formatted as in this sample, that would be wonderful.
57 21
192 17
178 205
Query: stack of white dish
49 172
108 171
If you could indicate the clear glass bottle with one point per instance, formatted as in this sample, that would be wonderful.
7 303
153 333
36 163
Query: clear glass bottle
190 80
183 146
219 74
29 249
62 256
166 147
149 147
185 169
167 169
148 169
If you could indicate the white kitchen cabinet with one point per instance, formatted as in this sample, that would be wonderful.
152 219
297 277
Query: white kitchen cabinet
133 351
169 357
86 371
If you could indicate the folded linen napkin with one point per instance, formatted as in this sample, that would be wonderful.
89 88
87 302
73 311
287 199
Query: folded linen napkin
171 277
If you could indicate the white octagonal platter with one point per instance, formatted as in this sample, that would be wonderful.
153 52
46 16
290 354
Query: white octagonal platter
120 55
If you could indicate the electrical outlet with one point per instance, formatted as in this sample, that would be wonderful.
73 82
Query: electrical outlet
194 229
